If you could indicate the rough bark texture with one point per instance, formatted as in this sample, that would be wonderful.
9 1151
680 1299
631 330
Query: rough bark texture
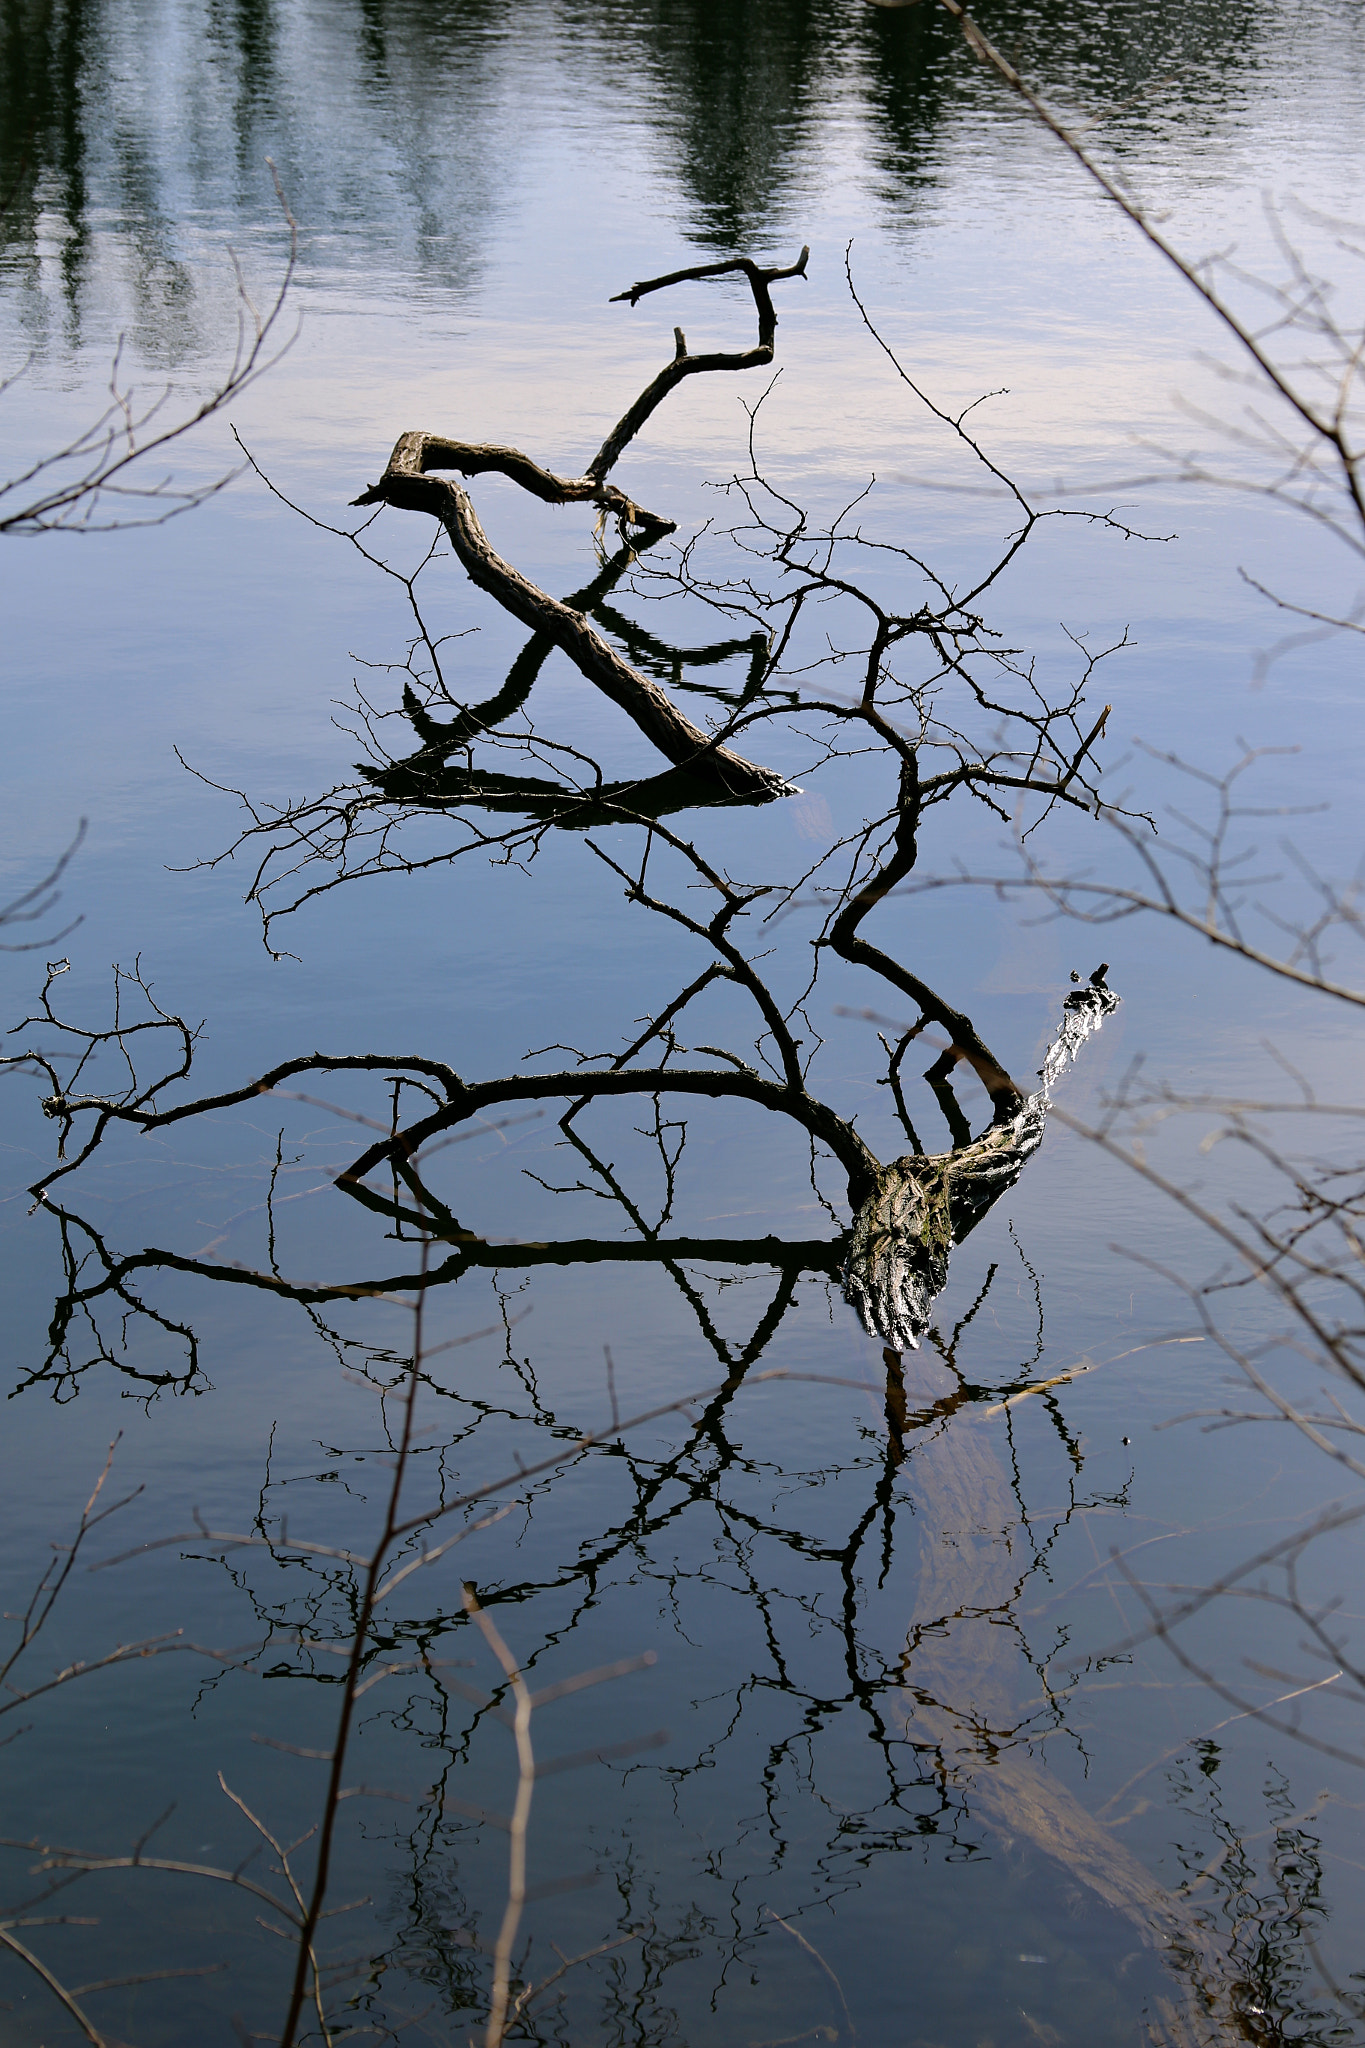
923 1205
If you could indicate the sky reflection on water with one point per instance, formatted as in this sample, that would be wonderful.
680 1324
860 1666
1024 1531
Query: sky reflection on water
473 182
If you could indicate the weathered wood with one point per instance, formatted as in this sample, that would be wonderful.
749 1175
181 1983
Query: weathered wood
924 1204
406 482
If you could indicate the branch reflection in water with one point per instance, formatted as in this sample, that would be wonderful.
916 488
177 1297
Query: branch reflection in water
713 1518
835 1735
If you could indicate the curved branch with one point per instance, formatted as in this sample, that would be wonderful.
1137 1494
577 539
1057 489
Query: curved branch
858 1162
684 365
924 1205
406 483
842 938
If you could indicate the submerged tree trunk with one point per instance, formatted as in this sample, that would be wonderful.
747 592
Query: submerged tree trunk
971 1705
407 482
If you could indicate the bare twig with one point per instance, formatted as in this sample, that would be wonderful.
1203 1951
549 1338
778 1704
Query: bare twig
95 483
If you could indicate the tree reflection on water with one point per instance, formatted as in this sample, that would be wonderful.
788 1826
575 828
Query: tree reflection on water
854 1667
859 1674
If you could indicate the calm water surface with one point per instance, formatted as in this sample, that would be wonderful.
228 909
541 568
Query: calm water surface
905 1790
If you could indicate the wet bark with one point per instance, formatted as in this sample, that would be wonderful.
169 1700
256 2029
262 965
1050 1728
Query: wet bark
426 778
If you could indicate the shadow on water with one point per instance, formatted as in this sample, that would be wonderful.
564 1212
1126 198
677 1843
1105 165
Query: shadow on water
427 776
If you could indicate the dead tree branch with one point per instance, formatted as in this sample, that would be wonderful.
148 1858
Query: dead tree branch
407 482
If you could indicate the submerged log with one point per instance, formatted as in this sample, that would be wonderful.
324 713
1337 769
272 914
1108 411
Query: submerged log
573 810
970 1705
407 483
924 1204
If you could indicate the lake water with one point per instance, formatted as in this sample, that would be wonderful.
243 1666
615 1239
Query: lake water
913 1783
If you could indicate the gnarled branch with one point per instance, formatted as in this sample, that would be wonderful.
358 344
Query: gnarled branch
407 482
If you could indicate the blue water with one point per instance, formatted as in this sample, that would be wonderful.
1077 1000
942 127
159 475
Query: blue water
857 1826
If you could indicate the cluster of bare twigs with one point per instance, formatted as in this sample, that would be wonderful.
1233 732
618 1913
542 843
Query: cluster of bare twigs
932 688
957 1702
1199 873
376 1643
99 481
909 1212
403 1548
373 1644
1291 1229
933 694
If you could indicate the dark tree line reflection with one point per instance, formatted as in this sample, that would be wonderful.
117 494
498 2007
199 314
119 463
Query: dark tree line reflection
735 98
